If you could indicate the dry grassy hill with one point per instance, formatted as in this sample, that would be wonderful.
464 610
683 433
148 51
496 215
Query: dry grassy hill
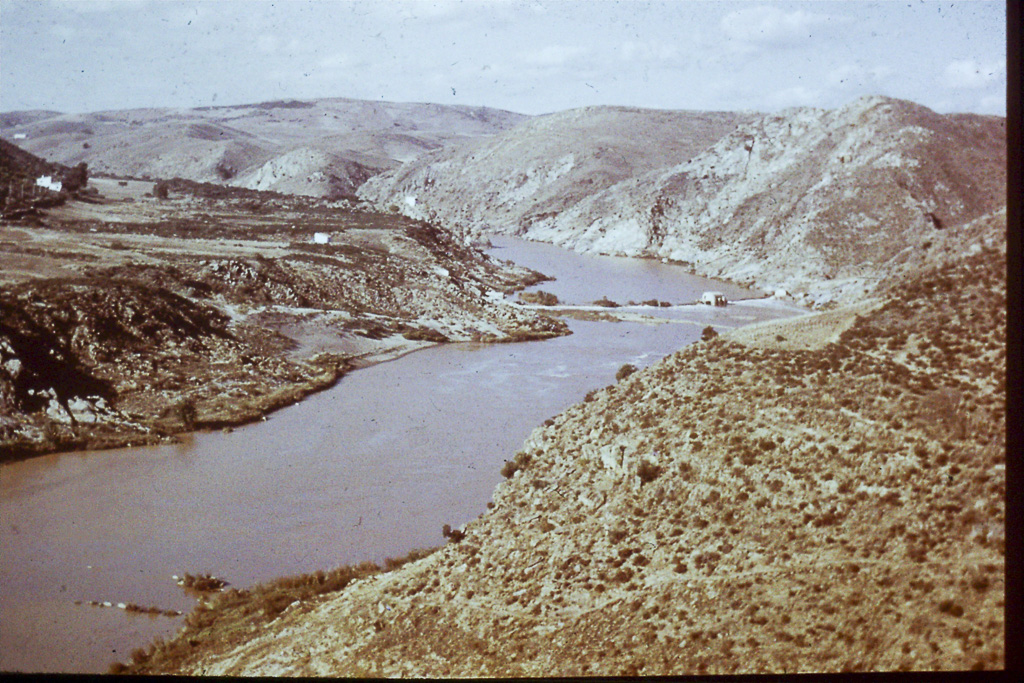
324 147
822 494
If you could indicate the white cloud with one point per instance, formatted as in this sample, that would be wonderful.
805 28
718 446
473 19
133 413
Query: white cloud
554 55
967 73
796 96
267 43
92 6
337 60
769 26
648 51
994 104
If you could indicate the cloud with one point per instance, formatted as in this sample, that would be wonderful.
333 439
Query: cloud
336 60
94 6
648 51
994 104
267 43
769 26
795 96
967 73
554 55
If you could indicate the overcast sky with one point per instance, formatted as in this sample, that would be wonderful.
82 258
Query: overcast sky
530 56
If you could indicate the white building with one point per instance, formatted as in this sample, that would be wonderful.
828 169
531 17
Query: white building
49 183
713 299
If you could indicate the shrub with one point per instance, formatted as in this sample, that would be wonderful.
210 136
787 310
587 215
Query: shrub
76 178
453 535
161 190
951 608
648 471
625 371
425 334
520 462
708 333
186 410
539 297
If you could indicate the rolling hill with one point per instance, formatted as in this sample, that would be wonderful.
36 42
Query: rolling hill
324 147
821 203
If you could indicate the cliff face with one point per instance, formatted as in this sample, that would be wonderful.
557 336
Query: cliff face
820 203
824 493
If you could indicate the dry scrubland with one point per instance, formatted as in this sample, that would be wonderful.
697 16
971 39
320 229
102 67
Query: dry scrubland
816 495
129 321
806 200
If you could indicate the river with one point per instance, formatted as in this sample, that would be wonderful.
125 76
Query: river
366 470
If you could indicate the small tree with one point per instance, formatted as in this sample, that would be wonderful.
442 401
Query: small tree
187 412
76 178
708 334
161 190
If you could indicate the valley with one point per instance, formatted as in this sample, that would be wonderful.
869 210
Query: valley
131 319
809 479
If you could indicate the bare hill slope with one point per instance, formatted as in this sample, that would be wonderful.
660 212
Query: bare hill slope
544 166
319 147
822 203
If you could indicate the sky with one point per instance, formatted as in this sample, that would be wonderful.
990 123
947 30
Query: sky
529 56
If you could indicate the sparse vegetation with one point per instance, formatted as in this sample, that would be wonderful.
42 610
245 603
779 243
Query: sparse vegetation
625 371
539 297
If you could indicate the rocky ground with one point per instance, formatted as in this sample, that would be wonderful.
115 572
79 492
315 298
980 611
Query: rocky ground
803 200
819 494
129 319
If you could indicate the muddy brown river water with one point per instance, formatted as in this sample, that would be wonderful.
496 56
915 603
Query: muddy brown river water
367 470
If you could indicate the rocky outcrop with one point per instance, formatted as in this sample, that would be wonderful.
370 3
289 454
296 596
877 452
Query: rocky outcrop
796 498
819 203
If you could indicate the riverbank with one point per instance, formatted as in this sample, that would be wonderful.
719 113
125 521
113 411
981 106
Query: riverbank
822 494
132 321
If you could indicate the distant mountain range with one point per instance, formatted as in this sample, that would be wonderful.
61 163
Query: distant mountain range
324 147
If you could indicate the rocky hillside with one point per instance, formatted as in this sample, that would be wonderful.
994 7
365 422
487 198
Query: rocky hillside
824 204
127 322
824 493
324 147
18 173
544 166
